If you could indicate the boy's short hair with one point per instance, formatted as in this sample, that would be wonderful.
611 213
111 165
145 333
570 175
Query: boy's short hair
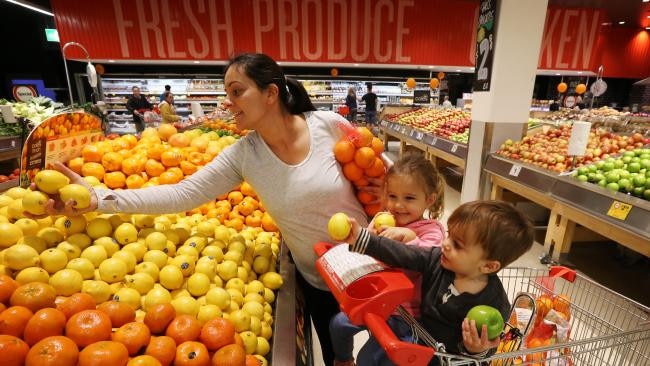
503 231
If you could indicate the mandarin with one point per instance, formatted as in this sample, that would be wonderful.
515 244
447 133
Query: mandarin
104 353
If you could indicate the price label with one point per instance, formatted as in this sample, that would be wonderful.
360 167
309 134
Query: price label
485 38
619 210
403 129
515 170
434 141
419 135
454 148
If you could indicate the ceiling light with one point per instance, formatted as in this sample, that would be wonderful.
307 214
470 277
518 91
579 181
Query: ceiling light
431 67
606 23
31 7
356 64
459 70
621 22
197 62
647 28
558 74
579 72
111 60
645 1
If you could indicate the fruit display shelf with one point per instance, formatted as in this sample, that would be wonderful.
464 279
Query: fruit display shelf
439 147
617 216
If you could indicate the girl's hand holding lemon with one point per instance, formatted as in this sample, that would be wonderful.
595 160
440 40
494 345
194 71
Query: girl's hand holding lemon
75 197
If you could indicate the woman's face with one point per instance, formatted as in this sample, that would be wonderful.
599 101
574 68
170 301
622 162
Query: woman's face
245 100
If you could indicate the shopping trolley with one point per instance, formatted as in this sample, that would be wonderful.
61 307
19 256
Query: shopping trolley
606 328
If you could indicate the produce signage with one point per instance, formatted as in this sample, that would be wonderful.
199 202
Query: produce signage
335 31
58 138
485 38
24 93
421 96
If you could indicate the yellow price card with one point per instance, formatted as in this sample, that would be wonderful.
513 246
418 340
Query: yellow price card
619 210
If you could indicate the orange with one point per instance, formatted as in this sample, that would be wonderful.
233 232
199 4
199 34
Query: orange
247 190
34 296
171 158
13 350
216 333
163 349
92 153
45 323
352 171
130 140
361 182
166 130
119 144
93 169
144 360
14 320
268 223
134 181
104 353
115 180
119 313
179 140
230 355
561 303
364 157
195 158
246 207
188 168
7 287
155 151
365 197
192 353
75 164
184 328
372 209
235 197
134 336
112 161
344 151
364 138
377 146
76 303
53 351
236 223
376 169
252 361
168 178
154 168
88 326
253 221
131 165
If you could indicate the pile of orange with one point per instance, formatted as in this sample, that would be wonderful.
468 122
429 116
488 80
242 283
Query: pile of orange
36 331
222 125
360 158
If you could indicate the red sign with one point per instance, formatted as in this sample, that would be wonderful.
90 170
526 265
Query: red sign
24 93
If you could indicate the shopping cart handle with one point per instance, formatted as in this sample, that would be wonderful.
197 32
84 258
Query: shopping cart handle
564 272
401 353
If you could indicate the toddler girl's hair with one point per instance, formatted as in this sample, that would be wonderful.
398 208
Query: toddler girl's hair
415 165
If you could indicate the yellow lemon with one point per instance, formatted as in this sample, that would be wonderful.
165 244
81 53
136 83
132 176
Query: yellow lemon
254 308
208 312
256 325
83 266
96 254
80 239
144 232
261 264
213 251
99 290
128 295
77 193
11 233
227 269
45 222
157 295
28 226
222 233
51 235
266 331
66 282
50 181
206 228
33 274
20 256
99 227
219 297
34 242
172 236
92 180
185 263
250 341
141 282
263 346
241 320
138 249
70 250
156 256
15 209
234 256
109 244
269 295
206 266
254 287
149 268
197 242
156 241
198 284
254 297
126 233
142 221
171 277
236 283
71 225
15 192
112 270
185 305
271 280
128 258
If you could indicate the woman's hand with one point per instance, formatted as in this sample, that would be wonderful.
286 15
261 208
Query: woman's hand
375 188
55 206
473 342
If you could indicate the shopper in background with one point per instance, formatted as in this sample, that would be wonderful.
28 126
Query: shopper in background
414 195
371 106
137 105
484 236
167 109
447 103
288 160
351 102
162 95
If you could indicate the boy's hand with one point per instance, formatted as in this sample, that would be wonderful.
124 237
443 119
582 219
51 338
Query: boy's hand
401 234
355 228
473 342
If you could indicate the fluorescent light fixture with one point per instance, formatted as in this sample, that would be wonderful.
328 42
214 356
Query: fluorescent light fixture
431 67
111 61
621 22
51 35
197 62
30 6
606 23
356 64
459 70
558 74
579 72
645 1
647 28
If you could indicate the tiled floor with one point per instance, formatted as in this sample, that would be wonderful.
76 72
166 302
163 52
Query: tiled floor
623 272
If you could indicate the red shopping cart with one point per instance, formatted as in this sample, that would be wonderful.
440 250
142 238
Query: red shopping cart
606 328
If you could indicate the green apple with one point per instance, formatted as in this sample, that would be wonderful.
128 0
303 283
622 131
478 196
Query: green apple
339 226
484 314
384 219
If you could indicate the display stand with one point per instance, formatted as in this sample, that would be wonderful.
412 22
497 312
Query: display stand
369 300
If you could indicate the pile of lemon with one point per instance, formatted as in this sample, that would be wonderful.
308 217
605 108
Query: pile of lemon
200 266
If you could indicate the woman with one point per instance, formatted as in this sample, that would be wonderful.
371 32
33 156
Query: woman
167 110
351 102
288 160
